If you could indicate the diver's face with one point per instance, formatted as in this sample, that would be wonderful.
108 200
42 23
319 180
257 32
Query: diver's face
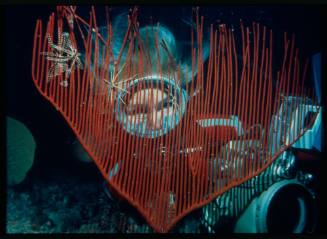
149 106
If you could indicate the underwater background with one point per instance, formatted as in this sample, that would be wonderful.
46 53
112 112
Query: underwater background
62 190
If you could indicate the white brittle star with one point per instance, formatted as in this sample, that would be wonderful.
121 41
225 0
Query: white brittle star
117 85
64 57
175 103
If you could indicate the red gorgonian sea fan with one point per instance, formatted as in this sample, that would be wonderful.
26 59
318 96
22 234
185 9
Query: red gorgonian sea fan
165 144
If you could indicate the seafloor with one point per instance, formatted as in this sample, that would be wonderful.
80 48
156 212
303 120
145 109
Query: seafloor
69 203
